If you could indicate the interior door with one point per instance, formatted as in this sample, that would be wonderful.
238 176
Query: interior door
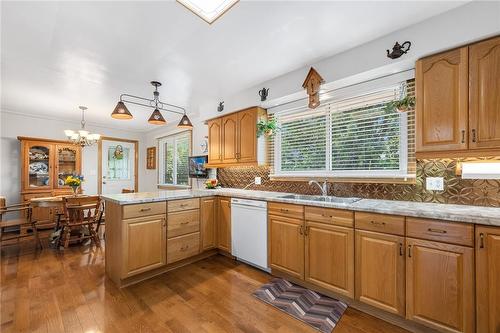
118 166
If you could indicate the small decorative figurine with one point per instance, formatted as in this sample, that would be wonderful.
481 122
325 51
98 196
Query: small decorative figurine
398 50
220 108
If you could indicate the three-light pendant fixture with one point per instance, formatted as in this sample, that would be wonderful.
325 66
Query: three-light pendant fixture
121 111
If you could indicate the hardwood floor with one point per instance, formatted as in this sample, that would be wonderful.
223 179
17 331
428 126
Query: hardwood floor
52 291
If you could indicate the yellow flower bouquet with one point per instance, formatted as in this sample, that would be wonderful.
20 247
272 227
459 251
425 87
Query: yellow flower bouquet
74 182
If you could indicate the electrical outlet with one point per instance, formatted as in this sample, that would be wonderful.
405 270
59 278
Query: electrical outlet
434 183
258 180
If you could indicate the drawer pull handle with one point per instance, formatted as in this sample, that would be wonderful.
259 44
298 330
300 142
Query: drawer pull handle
301 230
183 223
439 231
463 136
400 249
481 241
307 231
145 209
377 223
328 216
473 135
184 248
184 205
409 251
284 210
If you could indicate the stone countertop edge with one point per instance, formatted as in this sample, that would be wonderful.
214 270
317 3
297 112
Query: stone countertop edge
447 212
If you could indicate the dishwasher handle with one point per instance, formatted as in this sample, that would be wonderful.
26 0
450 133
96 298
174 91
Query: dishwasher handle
248 203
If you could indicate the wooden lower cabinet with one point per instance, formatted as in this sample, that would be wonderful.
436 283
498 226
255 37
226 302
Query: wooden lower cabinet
224 224
183 247
380 271
440 285
208 221
329 257
488 279
286 251
144 243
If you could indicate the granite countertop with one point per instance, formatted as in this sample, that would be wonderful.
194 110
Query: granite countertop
449 212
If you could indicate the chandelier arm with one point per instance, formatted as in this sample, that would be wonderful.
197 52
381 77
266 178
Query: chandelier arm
123 98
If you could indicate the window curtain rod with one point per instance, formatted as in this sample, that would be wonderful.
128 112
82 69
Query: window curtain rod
339 89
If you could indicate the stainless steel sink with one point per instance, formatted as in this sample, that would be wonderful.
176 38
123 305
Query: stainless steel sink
332 199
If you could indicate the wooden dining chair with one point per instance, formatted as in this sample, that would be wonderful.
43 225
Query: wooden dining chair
82 215
20 223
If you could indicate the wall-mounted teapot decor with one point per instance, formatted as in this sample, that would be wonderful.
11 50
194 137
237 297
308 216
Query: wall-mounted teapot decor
220 108
399 49
263 93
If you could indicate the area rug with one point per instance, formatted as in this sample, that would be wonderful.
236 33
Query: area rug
318 311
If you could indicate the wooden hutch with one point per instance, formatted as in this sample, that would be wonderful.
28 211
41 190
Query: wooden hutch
45 164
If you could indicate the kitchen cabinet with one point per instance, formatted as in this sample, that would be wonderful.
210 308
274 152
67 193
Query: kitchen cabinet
183 229
329 257
215 141
439 285
144 240
488 279
224 224
442 101
208 207
484 94
232 139
286 237
380 271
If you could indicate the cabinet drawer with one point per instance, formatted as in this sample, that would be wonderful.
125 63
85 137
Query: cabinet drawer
184 204
448 232
145 209
184 222
388 224
183 247
330 215
287 210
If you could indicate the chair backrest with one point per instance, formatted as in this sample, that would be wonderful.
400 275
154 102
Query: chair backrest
79 210
126 190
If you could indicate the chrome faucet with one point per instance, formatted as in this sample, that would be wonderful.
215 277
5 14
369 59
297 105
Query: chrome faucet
323 188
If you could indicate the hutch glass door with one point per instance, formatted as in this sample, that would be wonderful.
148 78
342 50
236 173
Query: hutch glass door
39 167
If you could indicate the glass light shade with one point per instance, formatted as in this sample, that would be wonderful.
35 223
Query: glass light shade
83 133
156 118
97 136
121 112
185 122
68 133
74 136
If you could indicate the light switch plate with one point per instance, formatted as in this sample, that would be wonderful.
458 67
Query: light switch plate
434 183
258 180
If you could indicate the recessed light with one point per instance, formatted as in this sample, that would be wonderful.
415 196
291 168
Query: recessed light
208 10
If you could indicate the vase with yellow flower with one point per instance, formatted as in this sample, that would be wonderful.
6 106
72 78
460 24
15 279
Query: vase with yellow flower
74 181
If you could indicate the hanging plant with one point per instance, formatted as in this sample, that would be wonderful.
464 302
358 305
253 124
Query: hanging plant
403 104
266 127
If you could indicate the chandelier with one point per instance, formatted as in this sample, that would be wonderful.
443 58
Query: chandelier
121 111
82 137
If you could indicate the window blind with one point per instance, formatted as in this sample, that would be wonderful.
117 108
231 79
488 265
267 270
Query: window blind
173 159
358 136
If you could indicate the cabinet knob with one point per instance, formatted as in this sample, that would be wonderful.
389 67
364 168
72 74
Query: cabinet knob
463 136
473 135
481 241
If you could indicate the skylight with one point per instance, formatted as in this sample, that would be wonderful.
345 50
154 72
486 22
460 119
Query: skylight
208 10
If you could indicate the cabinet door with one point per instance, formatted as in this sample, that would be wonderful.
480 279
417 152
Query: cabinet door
439 285
38 166
230 138
380 271
43 215
442 94
67 163
224 225
488 279
247 136
286 237
484 94
330 257
215 140
144 244
208 225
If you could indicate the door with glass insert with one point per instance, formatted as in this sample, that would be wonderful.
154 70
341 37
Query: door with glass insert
118 166
38 174
67 163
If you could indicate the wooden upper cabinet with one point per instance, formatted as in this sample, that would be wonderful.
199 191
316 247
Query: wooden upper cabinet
439 285
484 94
215 140
380 271
442 101
488 279
247 135
208 209
224 224
230 138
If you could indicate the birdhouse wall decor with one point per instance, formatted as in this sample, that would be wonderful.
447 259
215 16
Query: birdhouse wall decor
312 85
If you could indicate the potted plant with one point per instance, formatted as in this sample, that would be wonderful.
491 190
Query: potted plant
74 182
266 127
211 184
402 105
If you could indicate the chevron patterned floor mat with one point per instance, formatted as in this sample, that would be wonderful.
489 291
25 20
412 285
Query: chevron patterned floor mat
316 310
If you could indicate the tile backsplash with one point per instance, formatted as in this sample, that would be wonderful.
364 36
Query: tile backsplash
456 190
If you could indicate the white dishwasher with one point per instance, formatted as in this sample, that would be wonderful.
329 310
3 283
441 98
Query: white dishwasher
249 232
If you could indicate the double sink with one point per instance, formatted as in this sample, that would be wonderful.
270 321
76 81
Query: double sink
320 198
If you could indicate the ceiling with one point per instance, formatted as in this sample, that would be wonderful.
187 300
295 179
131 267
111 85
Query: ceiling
58 55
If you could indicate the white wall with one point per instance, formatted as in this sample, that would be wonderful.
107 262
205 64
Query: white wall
13 125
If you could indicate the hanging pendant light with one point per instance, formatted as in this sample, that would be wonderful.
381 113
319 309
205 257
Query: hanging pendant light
121 111
156 118
185 122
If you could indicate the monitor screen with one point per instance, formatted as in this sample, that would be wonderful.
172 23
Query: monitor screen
197 166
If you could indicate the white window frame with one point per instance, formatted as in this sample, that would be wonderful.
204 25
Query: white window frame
327 100
173 138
